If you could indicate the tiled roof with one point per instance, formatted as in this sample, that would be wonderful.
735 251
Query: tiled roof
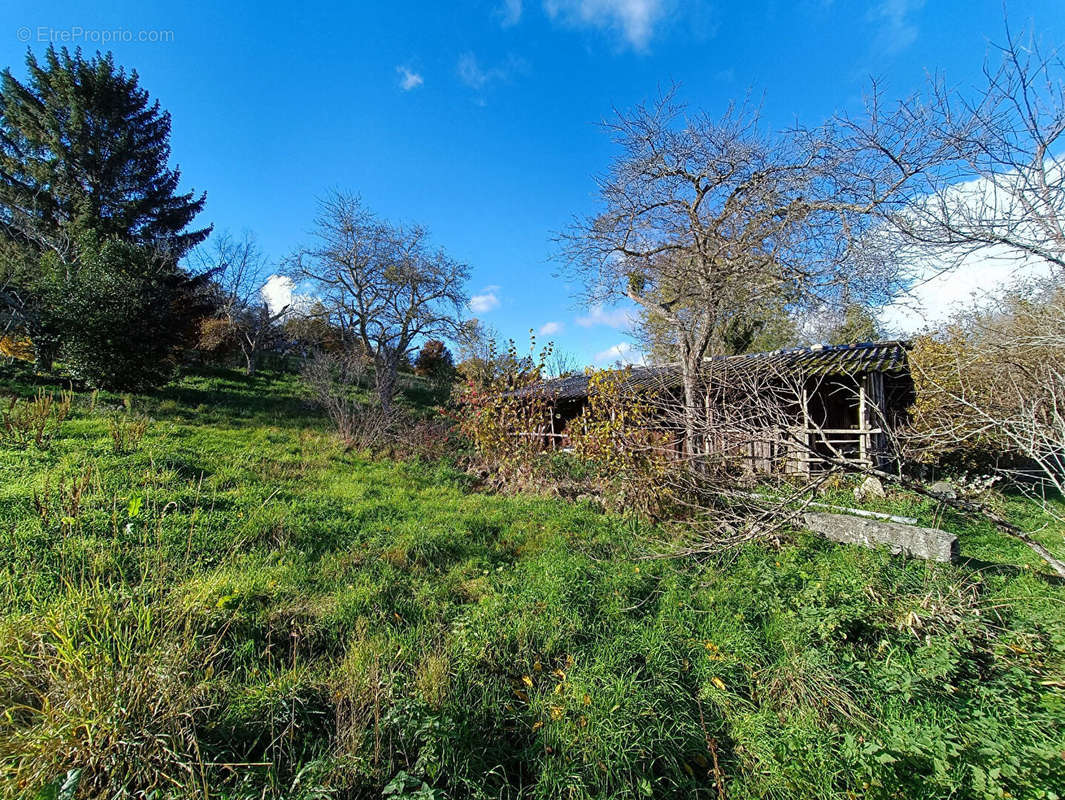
889 356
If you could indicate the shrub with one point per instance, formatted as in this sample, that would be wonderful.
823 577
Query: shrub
618 453
36 421
336 383
126 429
121 313
216 342
506 426
617 433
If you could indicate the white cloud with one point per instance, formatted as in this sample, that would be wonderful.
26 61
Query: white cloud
479 77
894 21
620 318
622 352
510 13
633 20
471 73
550 328
409 79
485 301
279 291
939 291
948 281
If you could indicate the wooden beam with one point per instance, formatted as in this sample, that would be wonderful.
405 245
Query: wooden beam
863 438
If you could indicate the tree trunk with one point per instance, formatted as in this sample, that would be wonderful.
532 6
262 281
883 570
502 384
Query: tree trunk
44 353
385 373
692 400
250 361
691 368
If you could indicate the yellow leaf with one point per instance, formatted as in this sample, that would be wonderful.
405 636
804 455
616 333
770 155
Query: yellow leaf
720 684
527 680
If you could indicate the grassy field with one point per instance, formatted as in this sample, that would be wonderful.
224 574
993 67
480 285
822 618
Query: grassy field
233 607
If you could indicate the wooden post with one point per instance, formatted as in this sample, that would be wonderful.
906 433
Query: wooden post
873 417
863 424
554 439
800 462
807 453
707 443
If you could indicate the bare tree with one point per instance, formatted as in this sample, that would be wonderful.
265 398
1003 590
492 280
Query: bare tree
704 220
1003 185
239 269
383 284
561 364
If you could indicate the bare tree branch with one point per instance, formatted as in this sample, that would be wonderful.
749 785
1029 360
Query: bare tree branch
383 284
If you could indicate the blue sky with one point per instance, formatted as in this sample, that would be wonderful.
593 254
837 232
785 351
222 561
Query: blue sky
479 119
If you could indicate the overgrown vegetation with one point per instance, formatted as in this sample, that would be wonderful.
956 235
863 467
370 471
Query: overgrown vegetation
258 585
244 607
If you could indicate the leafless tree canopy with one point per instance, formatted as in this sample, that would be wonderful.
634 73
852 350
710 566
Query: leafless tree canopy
704 219
562 363
240 267
383 284
993 383
1003 182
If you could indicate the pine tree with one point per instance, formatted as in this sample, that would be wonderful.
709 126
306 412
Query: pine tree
83 146
84 155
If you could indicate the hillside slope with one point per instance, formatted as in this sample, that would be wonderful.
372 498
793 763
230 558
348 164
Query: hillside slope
233 606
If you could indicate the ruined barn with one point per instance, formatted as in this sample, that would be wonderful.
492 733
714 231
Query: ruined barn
788 410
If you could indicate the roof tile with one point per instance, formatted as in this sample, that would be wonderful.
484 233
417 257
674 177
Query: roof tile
887 356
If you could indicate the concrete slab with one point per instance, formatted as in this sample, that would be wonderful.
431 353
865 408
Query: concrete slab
929 543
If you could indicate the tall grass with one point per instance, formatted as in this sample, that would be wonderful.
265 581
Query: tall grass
238 607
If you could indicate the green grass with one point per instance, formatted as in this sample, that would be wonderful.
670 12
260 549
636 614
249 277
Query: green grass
239 608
